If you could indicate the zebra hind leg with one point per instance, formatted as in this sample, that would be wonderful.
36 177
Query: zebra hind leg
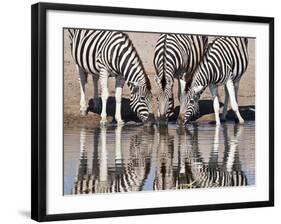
119 84
82 82
233 101
104 96
96 101
216 103
225 106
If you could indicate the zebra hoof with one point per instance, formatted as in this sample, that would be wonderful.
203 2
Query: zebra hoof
241 122
83 112
120 123
103 123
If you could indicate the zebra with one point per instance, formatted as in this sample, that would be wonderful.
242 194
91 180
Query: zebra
176 56
105 54
224 63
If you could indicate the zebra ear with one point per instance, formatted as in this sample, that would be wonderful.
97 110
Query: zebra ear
135 87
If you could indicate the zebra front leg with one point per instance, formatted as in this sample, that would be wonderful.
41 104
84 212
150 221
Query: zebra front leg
82 82
216 103
233 102
118 98
104 96
96 101
225 106
236 87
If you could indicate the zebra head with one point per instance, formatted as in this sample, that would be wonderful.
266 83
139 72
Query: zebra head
165 99
189 107
141 99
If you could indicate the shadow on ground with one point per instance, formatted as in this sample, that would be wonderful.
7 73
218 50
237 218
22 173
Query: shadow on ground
126 112
205 106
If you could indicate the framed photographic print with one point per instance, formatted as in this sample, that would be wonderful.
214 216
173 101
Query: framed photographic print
139 111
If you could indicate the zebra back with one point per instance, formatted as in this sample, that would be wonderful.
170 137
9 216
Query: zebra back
111 50
177 55
226 58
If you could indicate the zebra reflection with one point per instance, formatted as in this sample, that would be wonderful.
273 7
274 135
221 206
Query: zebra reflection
180 166
149 158
118 167
164 177
214 173
82 173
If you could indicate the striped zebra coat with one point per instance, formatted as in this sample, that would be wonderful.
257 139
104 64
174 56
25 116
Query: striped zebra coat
176 56
224 63
105 54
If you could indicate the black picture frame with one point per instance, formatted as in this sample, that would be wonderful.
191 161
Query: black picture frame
39 114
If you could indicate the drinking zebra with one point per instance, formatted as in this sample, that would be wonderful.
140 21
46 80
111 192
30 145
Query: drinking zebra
224 63
105 54
176 56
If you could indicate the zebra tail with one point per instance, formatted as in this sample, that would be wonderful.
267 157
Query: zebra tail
86 77
188 82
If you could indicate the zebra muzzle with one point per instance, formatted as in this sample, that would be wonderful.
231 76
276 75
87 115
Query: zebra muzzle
150 120
162 121
180 120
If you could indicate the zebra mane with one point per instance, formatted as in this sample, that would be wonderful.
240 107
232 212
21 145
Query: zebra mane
163 82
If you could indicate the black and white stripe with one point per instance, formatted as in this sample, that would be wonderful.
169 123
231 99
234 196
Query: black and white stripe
105 54
127 173
176 56
214 170
224 62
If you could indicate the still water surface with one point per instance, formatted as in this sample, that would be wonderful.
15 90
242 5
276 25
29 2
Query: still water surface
137 158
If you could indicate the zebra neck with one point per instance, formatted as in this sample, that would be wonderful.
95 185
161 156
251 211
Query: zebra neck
134 73
140 81
203 75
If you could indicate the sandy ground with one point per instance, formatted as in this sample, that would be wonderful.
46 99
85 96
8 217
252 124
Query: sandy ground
144 43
